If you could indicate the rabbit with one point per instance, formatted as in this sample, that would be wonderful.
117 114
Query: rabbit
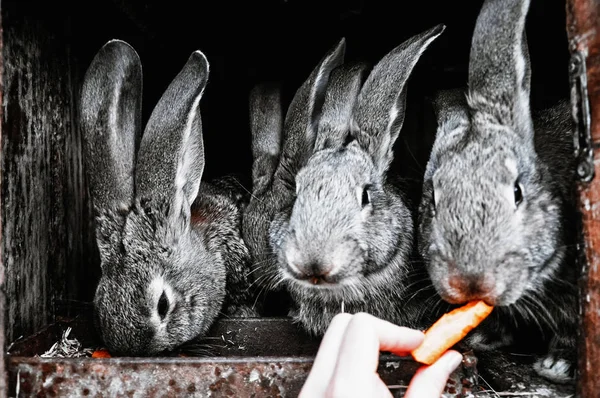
276 159
497 220
330 199
170 247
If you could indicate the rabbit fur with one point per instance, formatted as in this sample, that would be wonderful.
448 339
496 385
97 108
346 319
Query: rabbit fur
337 233
170 246
497 219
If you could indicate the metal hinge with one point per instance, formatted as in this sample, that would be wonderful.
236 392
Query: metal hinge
584 151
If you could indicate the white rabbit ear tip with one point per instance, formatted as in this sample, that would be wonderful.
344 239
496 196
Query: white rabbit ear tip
436 31
198 56
124 49
118 43
340 46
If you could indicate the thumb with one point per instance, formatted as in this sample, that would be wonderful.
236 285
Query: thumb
429 381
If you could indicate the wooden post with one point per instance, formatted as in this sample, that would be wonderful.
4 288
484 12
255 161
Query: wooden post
583 28
48 245
3 381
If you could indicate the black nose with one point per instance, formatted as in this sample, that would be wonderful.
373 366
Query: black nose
318 269
471 286
315 272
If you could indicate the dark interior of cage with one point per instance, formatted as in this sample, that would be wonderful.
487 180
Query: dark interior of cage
49 248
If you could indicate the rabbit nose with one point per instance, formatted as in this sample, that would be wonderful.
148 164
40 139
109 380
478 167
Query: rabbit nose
468 287
316 272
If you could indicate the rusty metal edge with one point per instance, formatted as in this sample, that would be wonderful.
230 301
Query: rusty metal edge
163 360
37 372
153 376
170 378
159 376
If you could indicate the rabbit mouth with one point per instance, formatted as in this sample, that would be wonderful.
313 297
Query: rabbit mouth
317 280
499 296
320 282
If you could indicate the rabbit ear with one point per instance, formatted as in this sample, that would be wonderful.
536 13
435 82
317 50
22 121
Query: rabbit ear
300 123
452 116
499 71
334 124
110 120
379 111
171 158
450 107
266 125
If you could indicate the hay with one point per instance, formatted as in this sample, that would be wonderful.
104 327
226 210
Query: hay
67 348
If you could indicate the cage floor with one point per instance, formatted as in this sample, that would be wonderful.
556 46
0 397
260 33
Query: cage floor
263 357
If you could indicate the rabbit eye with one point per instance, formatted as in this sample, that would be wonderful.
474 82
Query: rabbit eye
163 305
366 196
518 193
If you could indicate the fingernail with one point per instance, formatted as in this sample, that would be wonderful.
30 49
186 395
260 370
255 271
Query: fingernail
453 362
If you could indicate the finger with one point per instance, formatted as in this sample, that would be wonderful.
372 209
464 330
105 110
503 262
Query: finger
365 337
382 389
324 364
430 381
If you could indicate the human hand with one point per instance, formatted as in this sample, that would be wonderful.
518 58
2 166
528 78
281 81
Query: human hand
346 364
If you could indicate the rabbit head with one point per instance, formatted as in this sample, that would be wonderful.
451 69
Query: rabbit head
349 232
276 159
490 216
161 283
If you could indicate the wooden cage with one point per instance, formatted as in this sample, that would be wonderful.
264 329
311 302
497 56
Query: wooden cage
50 265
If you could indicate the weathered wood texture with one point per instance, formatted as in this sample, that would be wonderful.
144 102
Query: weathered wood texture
3 380
45 213
583 27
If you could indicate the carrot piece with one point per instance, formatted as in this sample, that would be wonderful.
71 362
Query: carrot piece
449 330
101 354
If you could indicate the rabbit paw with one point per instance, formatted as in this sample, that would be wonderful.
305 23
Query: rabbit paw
481 341
555 369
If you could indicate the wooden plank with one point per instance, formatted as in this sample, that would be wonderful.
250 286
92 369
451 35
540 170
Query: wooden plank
47 243
3 373
583 28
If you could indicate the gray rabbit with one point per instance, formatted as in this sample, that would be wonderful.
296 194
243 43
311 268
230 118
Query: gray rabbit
497 219
340 234
277 157
170 247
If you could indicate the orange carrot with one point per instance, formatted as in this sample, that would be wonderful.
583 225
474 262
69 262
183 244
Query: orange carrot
101 354
449 330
